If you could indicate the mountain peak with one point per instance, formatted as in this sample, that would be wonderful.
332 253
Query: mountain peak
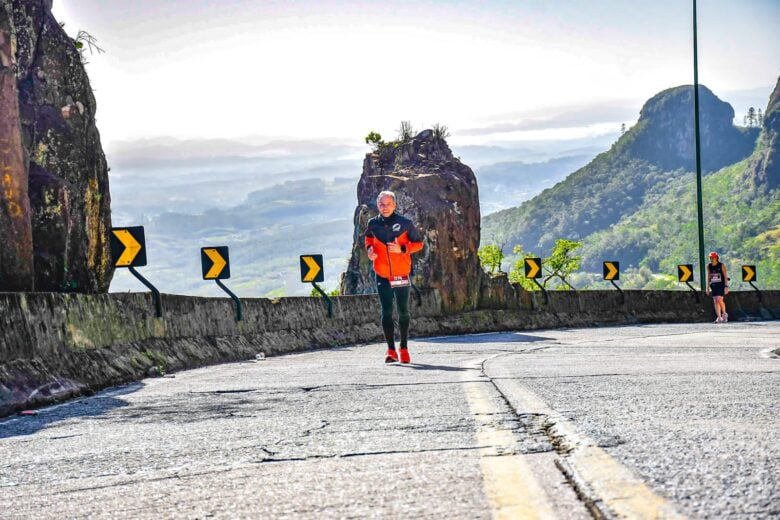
680 100
664 134
657 150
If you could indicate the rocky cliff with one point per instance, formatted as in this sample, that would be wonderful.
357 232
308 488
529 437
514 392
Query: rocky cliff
763 171
664 134
60 194
16 258
439 194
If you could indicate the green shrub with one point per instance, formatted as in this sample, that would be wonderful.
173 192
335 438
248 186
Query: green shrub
375 140
561 263
490 257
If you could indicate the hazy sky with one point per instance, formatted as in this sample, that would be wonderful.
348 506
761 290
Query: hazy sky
489 69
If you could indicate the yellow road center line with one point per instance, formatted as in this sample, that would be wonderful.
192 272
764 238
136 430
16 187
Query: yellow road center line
510 485
619 489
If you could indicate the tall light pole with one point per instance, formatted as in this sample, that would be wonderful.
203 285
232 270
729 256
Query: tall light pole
698 152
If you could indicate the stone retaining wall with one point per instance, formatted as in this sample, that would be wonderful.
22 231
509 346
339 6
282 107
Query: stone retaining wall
55 346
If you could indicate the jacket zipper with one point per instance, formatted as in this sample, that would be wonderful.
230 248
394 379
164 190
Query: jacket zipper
387 251
389 262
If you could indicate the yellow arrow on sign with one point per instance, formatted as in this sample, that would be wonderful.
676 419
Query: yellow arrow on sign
612 270
686 273
313 269
132 247
534 268
219 263
749 273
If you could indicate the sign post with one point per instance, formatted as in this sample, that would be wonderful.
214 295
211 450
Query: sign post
312 271
215 263
612 273
749 276
533 270
685 275
128 249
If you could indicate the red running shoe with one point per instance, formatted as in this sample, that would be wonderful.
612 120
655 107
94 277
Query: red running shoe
391 356
405 355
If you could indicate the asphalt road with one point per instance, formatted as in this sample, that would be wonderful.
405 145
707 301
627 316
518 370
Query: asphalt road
643 421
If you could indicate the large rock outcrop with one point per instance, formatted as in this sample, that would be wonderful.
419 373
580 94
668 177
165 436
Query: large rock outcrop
439 194
64 167
16 252
664 134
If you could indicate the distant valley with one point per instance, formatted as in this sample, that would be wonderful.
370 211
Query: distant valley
278 201
627 197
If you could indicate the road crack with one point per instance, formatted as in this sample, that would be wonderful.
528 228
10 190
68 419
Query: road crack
321 427
372 454
350 387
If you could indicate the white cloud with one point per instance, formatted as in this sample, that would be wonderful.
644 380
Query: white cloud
306 69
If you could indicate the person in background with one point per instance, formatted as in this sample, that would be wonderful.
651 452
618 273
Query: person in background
391 239
718 286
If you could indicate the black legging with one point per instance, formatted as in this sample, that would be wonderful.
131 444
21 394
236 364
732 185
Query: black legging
386 295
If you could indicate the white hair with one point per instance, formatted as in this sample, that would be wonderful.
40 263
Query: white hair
385 193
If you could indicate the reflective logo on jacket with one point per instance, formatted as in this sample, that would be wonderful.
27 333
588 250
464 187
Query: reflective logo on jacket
381 231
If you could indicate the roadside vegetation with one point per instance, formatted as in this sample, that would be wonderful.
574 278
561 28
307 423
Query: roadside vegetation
557 268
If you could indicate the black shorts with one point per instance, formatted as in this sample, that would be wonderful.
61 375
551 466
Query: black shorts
718 289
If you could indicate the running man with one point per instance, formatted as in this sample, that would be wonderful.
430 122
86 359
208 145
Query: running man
718 285
390 241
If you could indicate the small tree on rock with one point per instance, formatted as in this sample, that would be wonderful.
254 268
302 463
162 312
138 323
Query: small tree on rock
751 117
375 140
490 256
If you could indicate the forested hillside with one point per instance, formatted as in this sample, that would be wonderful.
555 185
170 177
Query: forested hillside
637 204
654 153
742 224
741 215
